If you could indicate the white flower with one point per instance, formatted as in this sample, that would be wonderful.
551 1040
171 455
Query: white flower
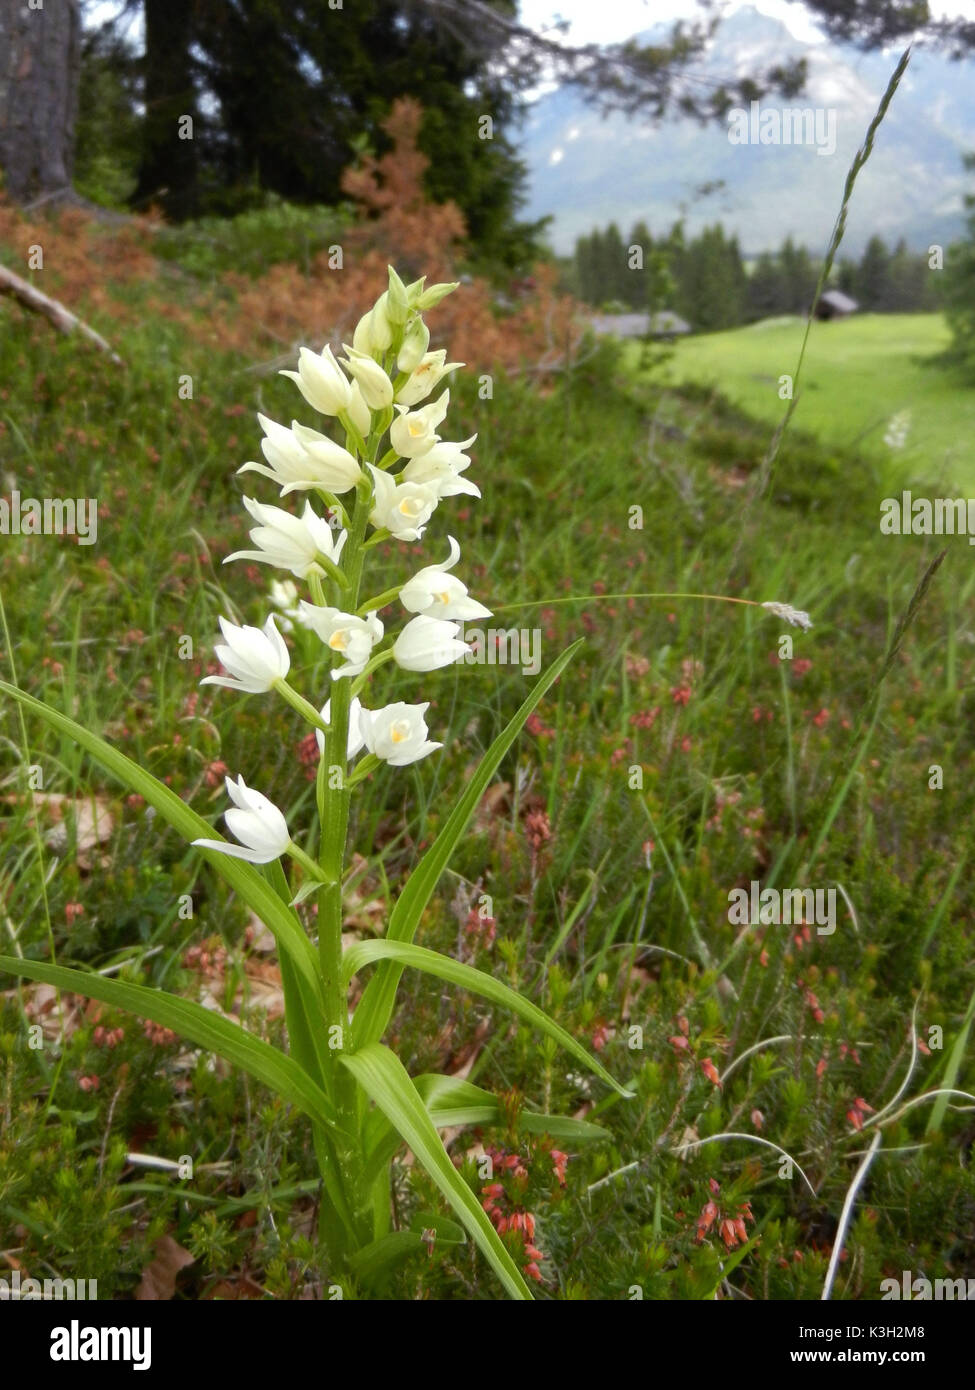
356 741
397 733
359 412
403 508
256 822
413 433
416 340
321 381
373 332
255 657
432 369
427 643
284 595
794 616
441 467
295 466
290 542
336 467
441 595
376 387
897 430
345 634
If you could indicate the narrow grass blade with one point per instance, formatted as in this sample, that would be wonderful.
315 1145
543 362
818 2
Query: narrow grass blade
378 1258
385 1080
953 1066
241 876
448 1099
452 1103
444 968
376 1006
839 230
201 1026
303 1013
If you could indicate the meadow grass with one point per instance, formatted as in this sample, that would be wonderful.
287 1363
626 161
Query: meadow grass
859 373
609 901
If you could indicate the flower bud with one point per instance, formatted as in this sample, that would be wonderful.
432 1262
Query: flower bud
359 411
376 387
362 338
426 643
373 333
321 381
381 325
415 343
397 301
431 297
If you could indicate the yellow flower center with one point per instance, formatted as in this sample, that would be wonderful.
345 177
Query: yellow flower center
339 640
400 731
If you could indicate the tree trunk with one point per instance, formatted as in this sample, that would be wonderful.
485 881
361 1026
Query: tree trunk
40 60
167 172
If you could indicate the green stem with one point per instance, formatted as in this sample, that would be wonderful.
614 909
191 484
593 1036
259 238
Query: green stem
381 535
363 768
592 598
372 605
333 571
307 710
335 818
334 505
333 802
374 663
353 439
317 590
307 863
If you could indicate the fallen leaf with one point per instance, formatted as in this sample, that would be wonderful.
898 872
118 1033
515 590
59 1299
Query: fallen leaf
92 821
158 1280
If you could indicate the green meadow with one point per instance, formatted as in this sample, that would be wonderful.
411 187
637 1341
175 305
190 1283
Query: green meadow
691 749
858 373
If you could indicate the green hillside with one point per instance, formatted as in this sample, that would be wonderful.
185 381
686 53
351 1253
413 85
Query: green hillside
857 375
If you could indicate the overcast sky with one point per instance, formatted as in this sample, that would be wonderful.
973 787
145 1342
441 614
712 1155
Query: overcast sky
614 20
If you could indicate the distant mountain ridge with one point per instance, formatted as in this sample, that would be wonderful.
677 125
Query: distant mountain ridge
588 170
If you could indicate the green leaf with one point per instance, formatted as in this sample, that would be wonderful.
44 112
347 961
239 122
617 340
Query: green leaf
433 963
451 1101
201 1026
953 1065
375 1008
303 1015
375 1260
241 876
386 1082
